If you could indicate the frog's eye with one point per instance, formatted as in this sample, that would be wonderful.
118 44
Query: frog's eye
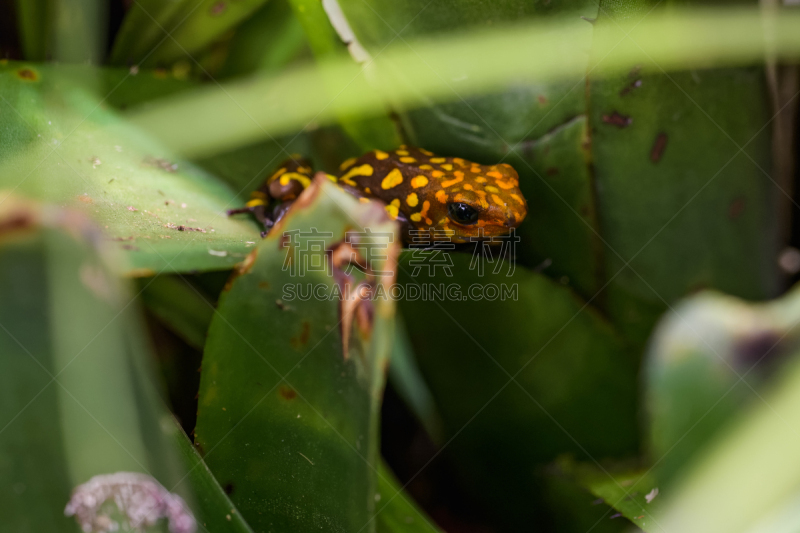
462 213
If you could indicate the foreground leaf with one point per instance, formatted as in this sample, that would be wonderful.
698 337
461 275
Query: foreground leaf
219 119
288 421
60 144
78 394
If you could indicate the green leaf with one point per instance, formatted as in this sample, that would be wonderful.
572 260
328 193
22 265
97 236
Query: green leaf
708 360
626 490
158 33
747 479
78 395
60 144
397 512
378 132
288 419
218 119
179 306
214 510
265 42
519 364
32 17
671 179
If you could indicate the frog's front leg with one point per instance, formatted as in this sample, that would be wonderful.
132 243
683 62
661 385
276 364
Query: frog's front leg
270 202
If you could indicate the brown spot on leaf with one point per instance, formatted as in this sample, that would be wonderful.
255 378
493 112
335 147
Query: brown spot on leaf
736 208
658 147
287 393
242 268
618 120
552 171
85 198
263 285
18 220
27 74
218 8
229 487
305 334
542 99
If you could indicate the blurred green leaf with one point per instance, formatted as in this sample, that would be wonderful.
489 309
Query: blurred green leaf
369 132
218 119
747 480
32 18
287 422
70 31
179 306
406 378
79 398
708 360
61 144
156 33
265 42
534 373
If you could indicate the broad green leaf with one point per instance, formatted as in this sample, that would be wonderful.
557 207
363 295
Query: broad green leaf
519 364
157 32
288 419
61 144
214 510
78 398
32 17
708 360
218 119
671 180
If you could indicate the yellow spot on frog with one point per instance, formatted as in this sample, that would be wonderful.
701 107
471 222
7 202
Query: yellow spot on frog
504 185
348 163
412 199
480 179
494 174
401 152
446 166
517 198
490 188
363 170
441 196
289 176
426 167
381 155
392 211
438 160
363 200
453 181
467 187
499 201
415 217
419 182
331 177
437 173
426 152
367 190
407 160
392 179
277 173
255 202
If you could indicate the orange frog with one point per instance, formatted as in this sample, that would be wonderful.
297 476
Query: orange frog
446 198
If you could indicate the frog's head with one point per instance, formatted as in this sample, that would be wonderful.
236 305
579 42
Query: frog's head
486 202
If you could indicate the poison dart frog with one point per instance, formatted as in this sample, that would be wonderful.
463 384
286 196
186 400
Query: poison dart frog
448 198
